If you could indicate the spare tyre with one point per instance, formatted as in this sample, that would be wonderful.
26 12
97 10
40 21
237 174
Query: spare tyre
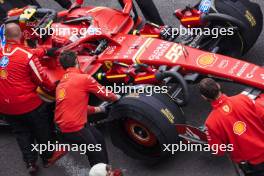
142 124
249 14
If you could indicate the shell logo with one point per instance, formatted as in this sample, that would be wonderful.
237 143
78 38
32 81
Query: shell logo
206 60
61 94
3 74
239 128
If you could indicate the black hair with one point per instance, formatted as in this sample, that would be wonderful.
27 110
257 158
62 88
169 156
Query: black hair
68 59
209 88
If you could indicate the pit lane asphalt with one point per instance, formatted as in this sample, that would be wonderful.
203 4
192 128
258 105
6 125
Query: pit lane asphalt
183 164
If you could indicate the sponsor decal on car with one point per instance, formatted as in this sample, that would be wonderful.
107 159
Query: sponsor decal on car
239 128
251 74
3 74
206 60
205 6
223 64
175 52
160 50
4 61
243 69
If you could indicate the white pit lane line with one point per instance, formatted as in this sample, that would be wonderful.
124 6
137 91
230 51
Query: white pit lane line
71 167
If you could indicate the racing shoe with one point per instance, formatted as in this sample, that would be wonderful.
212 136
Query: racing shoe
32 168
55 157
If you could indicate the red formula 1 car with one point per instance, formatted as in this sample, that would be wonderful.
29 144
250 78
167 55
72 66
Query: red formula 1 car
117 50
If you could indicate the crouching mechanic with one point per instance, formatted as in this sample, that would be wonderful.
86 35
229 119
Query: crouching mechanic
28 115
236 120
72 97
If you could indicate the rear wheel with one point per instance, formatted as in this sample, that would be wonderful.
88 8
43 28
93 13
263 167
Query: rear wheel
240 22
249 14
142 124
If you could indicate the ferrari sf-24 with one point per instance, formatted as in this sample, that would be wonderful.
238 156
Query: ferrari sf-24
129 51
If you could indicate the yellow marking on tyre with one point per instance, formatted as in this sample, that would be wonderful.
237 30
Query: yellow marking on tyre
167 113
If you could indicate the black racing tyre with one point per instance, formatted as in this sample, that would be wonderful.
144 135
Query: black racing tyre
142 124
250 14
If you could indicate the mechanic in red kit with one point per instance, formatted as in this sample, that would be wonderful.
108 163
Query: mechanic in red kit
72 97
236 120
28 115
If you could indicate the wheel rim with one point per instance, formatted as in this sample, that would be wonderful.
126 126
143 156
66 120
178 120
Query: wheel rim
140 133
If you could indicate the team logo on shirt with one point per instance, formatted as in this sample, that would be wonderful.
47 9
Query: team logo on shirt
239 128
65 76
3 74
4 61
226 108
61 94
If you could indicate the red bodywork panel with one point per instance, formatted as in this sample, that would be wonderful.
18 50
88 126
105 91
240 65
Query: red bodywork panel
156 52
130 49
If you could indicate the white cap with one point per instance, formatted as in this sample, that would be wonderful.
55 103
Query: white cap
98 170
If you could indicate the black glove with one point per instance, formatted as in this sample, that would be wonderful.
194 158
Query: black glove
52 52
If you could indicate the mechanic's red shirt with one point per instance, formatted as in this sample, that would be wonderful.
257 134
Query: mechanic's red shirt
17 87
238 120
72 97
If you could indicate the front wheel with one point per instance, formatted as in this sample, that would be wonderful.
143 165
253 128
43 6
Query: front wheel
143 124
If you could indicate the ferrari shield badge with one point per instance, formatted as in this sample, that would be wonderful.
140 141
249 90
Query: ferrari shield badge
226 109
239 128
205 6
